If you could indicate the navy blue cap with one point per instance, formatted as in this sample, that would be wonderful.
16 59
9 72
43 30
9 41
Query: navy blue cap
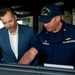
48 12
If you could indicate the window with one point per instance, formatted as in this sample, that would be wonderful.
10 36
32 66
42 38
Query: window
1 24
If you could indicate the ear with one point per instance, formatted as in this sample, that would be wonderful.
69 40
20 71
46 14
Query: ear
15 17
58 18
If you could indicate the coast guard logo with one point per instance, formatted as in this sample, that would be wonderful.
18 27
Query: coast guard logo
45 11
45 42
68 40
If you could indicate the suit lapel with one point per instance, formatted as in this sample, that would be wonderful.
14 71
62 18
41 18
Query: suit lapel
8 46
20 40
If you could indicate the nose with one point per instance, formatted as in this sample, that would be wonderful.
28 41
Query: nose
8 25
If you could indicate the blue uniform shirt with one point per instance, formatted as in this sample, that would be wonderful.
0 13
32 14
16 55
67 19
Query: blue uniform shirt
59 49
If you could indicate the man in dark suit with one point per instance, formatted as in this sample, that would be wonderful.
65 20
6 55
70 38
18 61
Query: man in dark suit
15 39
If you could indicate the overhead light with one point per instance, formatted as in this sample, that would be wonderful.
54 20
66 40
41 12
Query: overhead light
59 3
22 12
15 6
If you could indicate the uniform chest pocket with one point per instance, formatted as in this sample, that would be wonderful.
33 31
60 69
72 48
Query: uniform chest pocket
69 45
59 47
47 49
67 49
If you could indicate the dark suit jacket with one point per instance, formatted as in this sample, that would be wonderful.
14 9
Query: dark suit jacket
25 38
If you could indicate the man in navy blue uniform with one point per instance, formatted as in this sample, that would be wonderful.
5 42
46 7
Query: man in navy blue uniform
56 43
